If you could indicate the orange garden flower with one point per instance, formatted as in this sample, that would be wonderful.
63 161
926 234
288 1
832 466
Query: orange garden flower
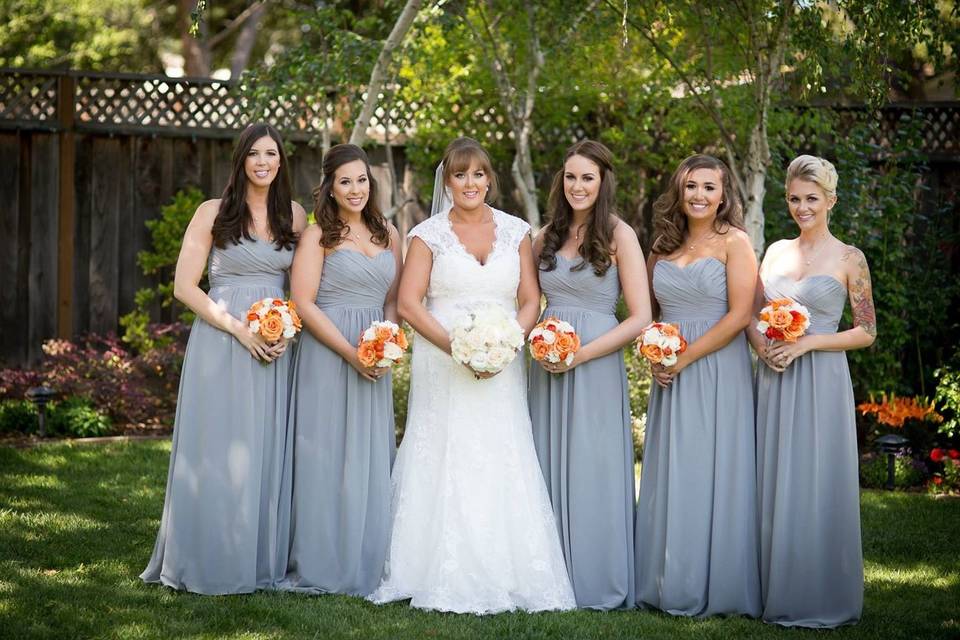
894 411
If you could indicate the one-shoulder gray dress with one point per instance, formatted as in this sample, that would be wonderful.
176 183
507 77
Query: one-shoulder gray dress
697 550
225 518
344 440
581 428
811 561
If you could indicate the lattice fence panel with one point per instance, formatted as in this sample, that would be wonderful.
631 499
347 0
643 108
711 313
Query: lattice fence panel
28 97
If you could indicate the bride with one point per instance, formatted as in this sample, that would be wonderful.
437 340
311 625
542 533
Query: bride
472 530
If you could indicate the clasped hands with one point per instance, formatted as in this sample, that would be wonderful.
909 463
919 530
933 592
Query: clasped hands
780 355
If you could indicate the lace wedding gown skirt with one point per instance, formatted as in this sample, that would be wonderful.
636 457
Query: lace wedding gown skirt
472 526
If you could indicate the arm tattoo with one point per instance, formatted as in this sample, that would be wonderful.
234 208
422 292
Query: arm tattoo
861 294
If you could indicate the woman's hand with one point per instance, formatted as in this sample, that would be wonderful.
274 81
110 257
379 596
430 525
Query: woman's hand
782 354
481 375
661 375
372 374
259 348
560 367
764 355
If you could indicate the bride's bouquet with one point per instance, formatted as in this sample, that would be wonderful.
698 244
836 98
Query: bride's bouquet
486 339
273 319
660 343
784 320
382 344
554 340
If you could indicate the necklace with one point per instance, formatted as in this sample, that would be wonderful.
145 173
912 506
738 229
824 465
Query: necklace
693 245
579 231
815 253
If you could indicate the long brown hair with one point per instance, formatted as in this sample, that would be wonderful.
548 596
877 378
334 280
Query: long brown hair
325 207
596 246
669 220
234 220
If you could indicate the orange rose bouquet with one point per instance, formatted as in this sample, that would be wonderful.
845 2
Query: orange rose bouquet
382 344
660 343
554 340
274 319
784 320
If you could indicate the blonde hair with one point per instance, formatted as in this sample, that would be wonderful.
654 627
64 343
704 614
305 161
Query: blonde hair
458 156
819 171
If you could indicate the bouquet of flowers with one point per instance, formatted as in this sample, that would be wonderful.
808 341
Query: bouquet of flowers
660 342
783 319
486 339
382 344
273 319
554 340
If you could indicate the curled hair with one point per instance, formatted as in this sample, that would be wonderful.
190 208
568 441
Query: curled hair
325 208
596 248
458 156
669 219
234 220
819 171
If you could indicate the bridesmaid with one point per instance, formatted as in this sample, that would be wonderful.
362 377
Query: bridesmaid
225 518
344 277
696 532
811 565
581 411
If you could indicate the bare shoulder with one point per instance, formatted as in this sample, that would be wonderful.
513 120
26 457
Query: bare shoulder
393 233
539 238
850 254
623 232
312 234
299 214
737 241
205 215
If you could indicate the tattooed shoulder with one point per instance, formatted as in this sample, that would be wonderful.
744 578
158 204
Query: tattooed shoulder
861 291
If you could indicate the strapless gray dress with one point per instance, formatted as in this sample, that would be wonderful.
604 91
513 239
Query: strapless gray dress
344 440
696 531
581 428
811 560
224 527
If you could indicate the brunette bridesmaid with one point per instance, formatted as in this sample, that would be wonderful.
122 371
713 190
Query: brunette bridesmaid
580 411
345 275
225 518
811 561
696 537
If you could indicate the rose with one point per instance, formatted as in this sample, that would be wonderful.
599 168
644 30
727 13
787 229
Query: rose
937 480
384 333
392 351
954 454
565 343
539 349
271 327
937 454
780 319
367 354
669 330
402 340
652 352
498 358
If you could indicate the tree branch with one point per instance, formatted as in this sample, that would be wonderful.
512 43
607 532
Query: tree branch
234 24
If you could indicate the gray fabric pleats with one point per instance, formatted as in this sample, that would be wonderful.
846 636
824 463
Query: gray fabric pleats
224 527
811 560
696 529
344 440
581 428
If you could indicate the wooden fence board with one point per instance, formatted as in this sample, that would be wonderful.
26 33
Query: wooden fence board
42 279
11 323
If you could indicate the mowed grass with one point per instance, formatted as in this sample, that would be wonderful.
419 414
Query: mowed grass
77 525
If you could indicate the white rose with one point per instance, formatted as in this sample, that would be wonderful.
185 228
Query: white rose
536 332
392 352
479 361
289 332
549 337
763 326
369 334
669 361
255 326
568 360
497 359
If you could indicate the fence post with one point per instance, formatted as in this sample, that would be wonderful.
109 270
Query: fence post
66 90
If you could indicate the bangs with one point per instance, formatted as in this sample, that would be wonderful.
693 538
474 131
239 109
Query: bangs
460 160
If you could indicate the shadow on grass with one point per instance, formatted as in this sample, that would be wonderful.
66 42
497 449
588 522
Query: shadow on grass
77 526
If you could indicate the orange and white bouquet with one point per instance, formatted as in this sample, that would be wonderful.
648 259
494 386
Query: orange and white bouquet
382 344
660 343
274 319
784 320
554 340
486 339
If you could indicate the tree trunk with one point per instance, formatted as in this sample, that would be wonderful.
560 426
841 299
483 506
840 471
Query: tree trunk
246 40
755 187
377 76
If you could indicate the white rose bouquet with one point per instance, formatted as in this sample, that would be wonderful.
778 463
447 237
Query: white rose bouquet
486 339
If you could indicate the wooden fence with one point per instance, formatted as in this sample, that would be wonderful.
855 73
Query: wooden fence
87 158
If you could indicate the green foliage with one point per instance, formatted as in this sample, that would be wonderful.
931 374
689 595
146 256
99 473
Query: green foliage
166 236
879 210
96 35
77 417
18 416
948 396
907 472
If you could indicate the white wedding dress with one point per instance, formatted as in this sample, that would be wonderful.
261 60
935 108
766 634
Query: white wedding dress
472 526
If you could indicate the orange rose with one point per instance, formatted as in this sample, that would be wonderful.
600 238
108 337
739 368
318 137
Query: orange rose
683 345
669 330
384 334
651 352
295 317
565 343
256 306
277 302
251 316
367 354
780 319
576 342
539 350
402 340
271 328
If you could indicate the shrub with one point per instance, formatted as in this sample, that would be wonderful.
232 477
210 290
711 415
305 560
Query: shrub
18 416
948 396
907 471
76 417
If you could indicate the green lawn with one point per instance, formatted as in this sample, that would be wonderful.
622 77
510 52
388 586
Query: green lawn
77 525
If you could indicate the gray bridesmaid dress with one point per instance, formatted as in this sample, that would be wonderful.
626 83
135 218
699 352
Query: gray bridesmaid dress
811 564
344 440
696 530
581 429
225 518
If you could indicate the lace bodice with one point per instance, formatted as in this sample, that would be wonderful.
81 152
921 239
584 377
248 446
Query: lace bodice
457 280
